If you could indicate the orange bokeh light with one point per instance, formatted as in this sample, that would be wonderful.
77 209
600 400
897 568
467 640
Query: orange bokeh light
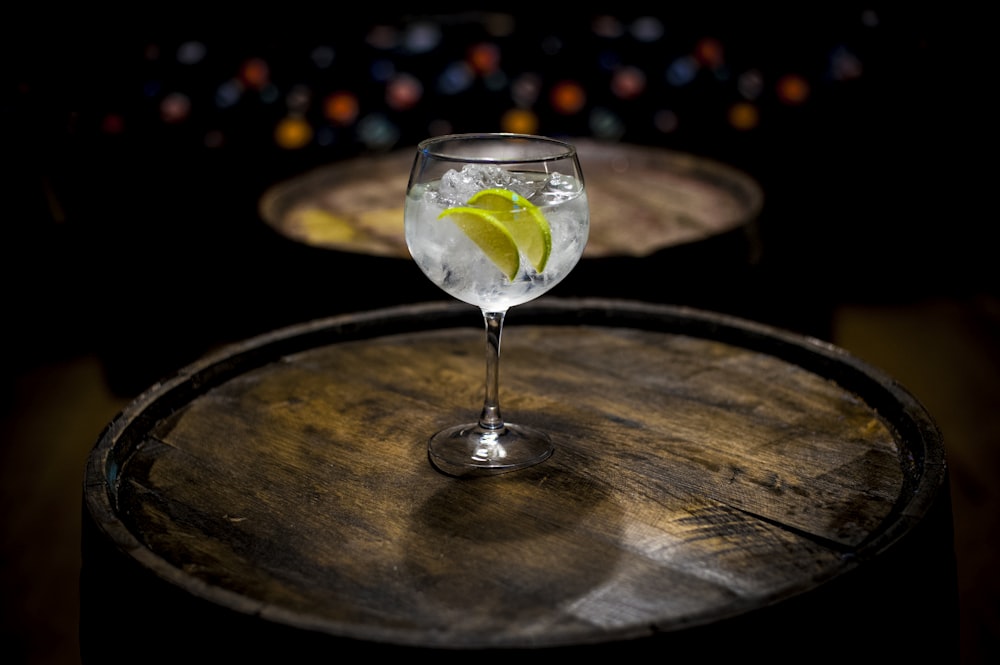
709 52
292 133
744 116
341 107
255 73
519 121
484 58
792 89
568 97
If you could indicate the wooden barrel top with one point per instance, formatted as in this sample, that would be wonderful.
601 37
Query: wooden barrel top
706 467
642 200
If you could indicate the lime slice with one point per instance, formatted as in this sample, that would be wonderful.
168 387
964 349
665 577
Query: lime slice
493 238
523 219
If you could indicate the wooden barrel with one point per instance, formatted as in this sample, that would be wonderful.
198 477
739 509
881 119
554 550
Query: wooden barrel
666 226
720 488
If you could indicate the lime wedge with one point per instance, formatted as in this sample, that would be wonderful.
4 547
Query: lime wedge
493 238
523 219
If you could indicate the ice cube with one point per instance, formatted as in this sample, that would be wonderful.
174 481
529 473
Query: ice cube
457 187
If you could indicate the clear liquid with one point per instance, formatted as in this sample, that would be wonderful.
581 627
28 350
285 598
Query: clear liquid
456 264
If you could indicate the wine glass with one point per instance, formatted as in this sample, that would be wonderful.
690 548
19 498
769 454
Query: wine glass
495 220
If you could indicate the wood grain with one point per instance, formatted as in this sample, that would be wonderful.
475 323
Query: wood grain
705 468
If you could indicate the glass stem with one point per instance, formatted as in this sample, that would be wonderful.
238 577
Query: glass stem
490 418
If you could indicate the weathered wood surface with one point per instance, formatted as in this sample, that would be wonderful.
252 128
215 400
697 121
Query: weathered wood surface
641 200
706 468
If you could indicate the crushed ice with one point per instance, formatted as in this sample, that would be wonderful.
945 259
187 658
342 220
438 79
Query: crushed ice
458 186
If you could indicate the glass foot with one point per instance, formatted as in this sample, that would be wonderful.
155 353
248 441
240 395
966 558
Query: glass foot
470 449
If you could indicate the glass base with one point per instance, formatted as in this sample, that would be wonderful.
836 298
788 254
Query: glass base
471 450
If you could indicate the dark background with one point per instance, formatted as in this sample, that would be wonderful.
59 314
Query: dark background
131 246
871 182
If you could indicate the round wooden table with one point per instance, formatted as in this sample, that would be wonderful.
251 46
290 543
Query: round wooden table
642 200
666 226
719 488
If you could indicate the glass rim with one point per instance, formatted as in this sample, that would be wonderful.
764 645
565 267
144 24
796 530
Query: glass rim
562 149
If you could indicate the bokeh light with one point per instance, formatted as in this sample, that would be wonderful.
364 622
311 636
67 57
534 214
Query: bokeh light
323 56
381 70
341 107
175 108
292 133
403 92
382 37
377 132
709 53
191 53
525 89
750 84
228 94
568 97
665 121
214 139
422 37
299 98
845 65
484 58
606 124
519 121
682 71
414 75
255 73
456 78
628 82
792 89
647 29
113 123
608 27
743 116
